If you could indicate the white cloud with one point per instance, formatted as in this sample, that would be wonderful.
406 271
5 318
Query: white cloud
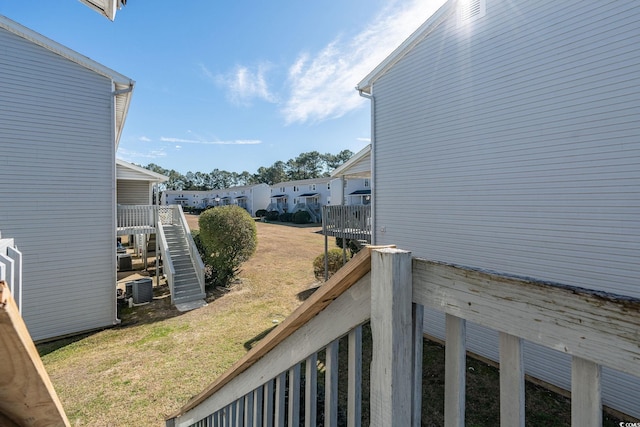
144 139
135 156
205 142
322 85
367 140
244 84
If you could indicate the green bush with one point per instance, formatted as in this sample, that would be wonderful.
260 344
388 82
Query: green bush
286 217
301 217
261 212
273 215
351 245
228 237
335 261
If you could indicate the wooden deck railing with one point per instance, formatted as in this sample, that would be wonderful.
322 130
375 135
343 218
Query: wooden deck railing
596 329
349 222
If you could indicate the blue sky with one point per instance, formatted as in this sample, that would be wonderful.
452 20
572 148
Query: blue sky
235 85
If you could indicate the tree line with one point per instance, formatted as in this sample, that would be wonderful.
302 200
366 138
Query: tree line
305 166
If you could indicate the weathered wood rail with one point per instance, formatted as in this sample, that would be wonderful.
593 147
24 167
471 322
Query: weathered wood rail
391 289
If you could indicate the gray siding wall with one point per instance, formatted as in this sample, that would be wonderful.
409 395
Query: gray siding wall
57 186
134 192
512 144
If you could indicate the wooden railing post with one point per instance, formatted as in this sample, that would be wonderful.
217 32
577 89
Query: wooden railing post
586 400
391 327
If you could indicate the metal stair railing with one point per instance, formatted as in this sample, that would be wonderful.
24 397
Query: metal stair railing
167 263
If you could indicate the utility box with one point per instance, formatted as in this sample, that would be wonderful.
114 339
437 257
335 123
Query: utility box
142 290
124 262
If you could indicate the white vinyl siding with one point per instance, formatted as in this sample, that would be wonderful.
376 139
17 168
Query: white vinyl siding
57 175
134 192
514 145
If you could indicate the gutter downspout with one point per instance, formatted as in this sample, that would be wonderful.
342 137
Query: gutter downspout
370 97
115 93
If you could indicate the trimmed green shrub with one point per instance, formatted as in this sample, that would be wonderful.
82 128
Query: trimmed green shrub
261 212
273 215
301 217
351 245
336 261
228 237
286 217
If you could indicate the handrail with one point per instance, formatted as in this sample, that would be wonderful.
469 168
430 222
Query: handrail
27 394
339 283
596 328
193 249
167 263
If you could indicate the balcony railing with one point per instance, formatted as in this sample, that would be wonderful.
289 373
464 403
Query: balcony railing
390 289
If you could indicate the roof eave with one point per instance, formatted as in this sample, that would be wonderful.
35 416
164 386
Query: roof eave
365 86
354 159
105 8
122 85
155 177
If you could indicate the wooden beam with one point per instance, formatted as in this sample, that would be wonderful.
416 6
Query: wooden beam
512 398
392 361
593 325
455 371
586 396
27 396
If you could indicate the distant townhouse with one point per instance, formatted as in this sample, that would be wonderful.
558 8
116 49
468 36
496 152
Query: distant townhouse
351 184
249 197
307 195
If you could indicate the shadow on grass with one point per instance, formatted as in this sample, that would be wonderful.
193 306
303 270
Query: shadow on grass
47 347
292 224
304 295
248 345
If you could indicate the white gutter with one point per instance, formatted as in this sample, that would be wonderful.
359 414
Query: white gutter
370 96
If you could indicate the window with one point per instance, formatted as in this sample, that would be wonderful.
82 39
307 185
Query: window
366 183
295 188
312 187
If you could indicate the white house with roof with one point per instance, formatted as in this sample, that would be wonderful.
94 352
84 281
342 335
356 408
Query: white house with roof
137 185
249 197
306 194
352 180
61 117
516 124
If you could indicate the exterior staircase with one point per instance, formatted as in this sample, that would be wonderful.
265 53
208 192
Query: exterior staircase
186 290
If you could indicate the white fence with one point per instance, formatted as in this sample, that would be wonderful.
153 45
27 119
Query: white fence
11 269
264 388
